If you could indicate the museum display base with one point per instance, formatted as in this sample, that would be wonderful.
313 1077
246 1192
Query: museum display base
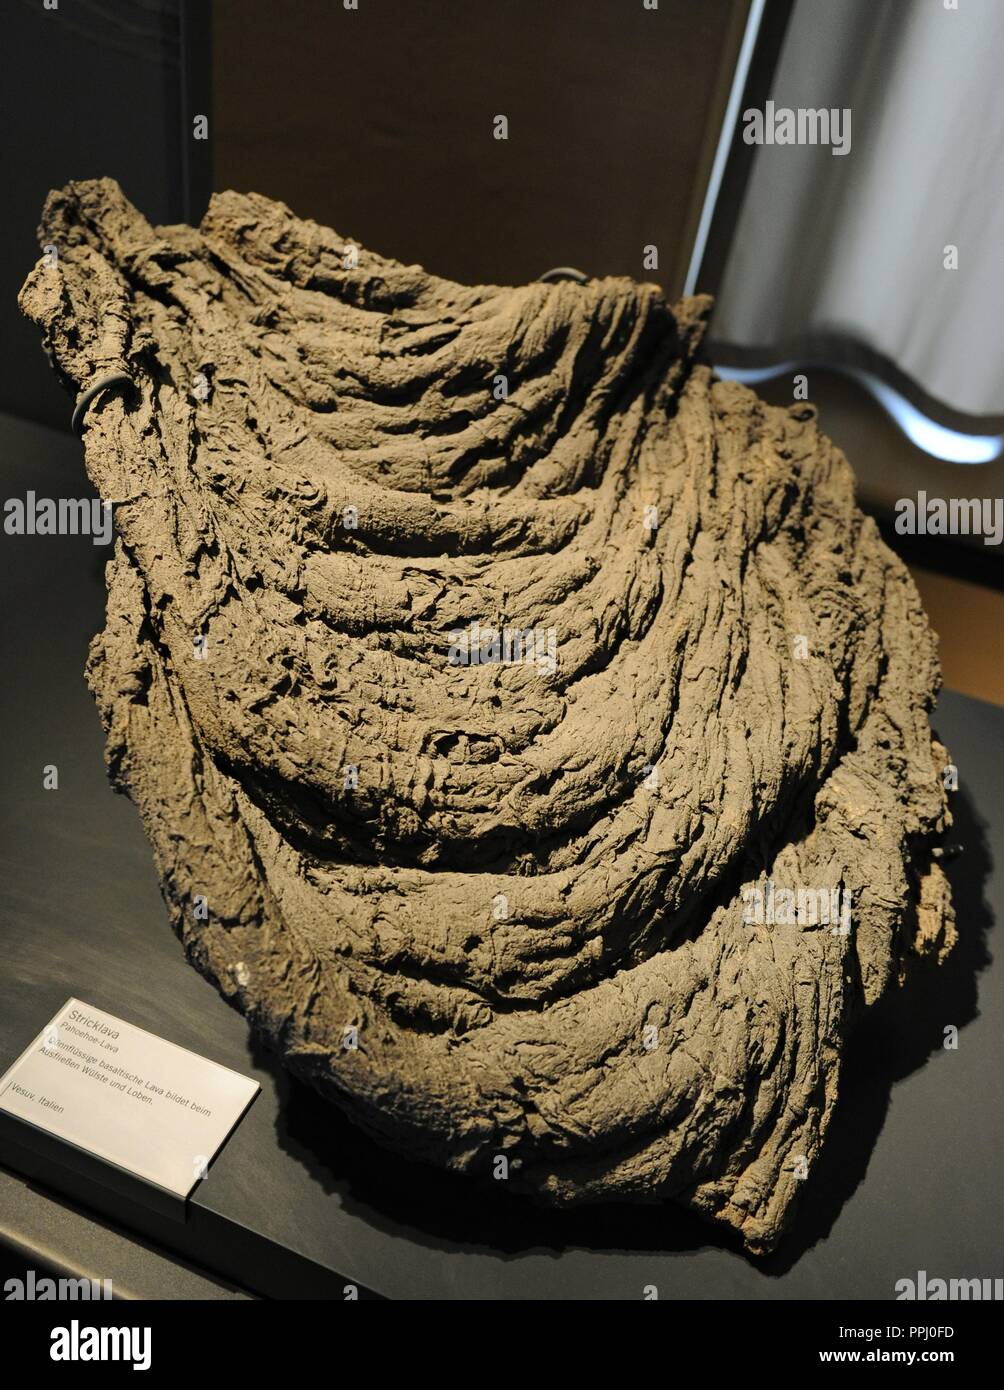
298 1203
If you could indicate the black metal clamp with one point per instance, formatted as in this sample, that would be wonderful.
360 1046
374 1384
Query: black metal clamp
85 397
564 272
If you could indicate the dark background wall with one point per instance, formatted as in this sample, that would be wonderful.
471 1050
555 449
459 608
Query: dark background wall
90 88
378 122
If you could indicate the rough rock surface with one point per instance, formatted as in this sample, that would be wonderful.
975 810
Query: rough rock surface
523 883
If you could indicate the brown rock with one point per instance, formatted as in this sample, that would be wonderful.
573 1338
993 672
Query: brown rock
525 888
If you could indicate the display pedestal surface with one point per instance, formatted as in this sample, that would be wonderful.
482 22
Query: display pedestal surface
299 1203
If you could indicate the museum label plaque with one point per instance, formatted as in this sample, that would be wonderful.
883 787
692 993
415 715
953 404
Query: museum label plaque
126 1097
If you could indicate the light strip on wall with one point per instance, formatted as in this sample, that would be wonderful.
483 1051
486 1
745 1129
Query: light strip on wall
729 121
940 442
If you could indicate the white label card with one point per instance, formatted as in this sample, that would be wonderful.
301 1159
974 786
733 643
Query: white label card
126 1096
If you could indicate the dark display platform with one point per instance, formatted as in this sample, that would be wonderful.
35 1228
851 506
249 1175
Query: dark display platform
298 1204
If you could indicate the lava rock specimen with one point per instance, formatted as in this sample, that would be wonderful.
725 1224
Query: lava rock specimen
478 662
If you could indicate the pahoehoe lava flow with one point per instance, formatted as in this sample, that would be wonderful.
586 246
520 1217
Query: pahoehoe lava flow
476 658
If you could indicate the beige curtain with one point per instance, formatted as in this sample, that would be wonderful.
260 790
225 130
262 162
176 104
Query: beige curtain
834 250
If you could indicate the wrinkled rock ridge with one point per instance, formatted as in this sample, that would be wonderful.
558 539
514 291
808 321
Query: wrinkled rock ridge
498 909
